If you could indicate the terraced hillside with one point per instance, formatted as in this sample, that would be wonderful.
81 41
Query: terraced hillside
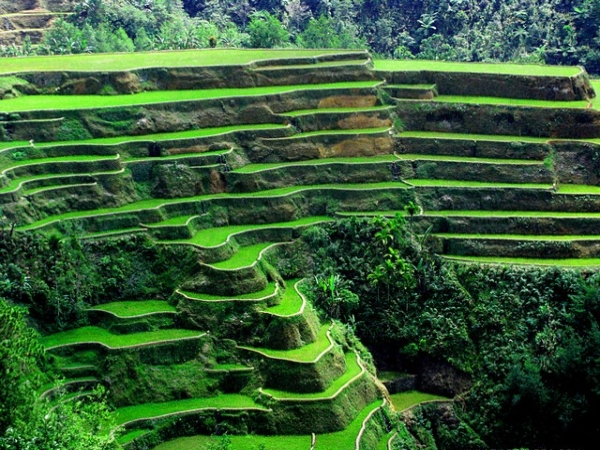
29 18
232 154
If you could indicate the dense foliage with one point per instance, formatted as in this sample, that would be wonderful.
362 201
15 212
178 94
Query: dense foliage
28 421
528 337
539 31
74 274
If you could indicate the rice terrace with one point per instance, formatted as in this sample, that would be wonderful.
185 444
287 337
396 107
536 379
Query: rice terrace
207 188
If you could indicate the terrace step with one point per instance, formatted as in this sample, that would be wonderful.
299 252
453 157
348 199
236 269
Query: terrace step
96 336
221 243
292 302
435 167
518 246
509 222
353 371
71 385
131 214
582 263
133 316
347 439
134 416
412 91
473 145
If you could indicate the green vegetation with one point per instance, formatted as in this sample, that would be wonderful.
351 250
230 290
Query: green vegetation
291 302
135 308
253 168
472 137
57 102
117 63
447 66
170 136
525 237
405 400
466 159
346 438
245 256
266 292
152 410
353 370
305 112
212 237
240 442
101 336
307 354
475 184
501 260
510 101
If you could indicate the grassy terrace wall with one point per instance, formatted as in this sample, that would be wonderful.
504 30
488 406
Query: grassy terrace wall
230 156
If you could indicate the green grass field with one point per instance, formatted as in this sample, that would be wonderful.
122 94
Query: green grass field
136 308
157 137
291 302
497 213
346 439
475 184
254 168
353 369
213 237
504 260
404 400
338 132
157 203
245 256
154 410
248 442
526 102
467 159
102 336
306 354
413 65
119 62
521 237
266 292
77 102
306 112
473 137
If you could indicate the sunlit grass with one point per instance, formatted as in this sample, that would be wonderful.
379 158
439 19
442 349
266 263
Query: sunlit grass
307 353
496 213
267 291
404 400
473 137
338 132
211 237
156 137
240 442
498 68
291 301
135 308
76 102
467 159
253 168
564 262
353 369
346 439
157 203
522 237
305 112
581 104
476 184
183 58
102 336
245 256
153 410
